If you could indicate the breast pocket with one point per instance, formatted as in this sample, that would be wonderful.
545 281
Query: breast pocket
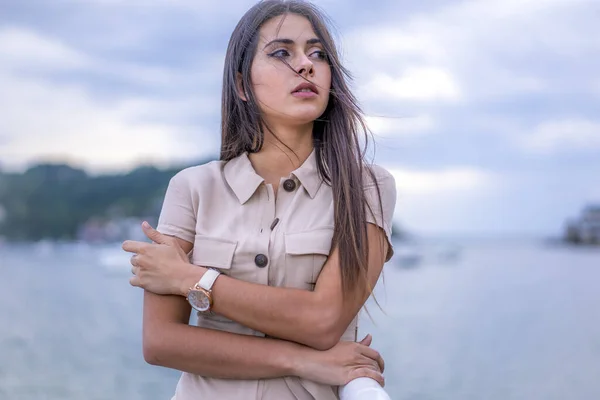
305 255
213 252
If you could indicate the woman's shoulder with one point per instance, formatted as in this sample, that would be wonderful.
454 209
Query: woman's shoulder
198 174
375 173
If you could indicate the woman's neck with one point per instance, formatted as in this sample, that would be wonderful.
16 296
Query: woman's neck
283 154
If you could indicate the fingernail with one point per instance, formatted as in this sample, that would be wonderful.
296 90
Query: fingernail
145 224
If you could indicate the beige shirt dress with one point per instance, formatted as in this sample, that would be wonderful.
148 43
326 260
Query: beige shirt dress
230 215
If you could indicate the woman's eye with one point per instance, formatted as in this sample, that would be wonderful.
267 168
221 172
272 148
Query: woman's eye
320 54
280 53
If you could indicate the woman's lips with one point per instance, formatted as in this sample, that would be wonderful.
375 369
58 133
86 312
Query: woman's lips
308 94
305 90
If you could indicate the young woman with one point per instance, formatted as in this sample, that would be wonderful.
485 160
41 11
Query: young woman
288 232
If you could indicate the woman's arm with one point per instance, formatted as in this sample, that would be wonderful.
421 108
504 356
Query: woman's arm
170 342
317 319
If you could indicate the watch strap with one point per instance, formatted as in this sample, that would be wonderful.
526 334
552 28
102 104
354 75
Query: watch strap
208 279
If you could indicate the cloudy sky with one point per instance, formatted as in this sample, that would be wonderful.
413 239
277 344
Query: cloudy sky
487 112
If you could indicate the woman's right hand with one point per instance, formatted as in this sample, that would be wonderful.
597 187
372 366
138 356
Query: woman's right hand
342 363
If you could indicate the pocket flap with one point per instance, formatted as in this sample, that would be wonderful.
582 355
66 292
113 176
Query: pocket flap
213 252
316 241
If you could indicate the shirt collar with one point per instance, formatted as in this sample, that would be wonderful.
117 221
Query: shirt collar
241 177
243 180
308 175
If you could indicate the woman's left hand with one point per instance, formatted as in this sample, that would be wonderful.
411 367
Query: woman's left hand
160 267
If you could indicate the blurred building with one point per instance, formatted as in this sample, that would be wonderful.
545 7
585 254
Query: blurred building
585 229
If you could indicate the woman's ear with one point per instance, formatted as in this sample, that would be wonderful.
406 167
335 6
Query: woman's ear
240 87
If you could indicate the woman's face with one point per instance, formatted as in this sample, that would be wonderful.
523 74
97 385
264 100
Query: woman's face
285 96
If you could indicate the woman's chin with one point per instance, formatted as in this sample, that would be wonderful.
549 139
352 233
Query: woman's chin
305 116
297 115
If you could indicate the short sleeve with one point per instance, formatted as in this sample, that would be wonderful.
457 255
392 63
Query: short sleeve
381 214
177 216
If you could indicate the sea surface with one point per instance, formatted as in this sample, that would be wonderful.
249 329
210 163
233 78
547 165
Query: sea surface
497 320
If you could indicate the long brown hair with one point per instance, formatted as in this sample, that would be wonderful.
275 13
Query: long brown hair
336 134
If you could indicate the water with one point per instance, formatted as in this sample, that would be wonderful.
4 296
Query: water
505 321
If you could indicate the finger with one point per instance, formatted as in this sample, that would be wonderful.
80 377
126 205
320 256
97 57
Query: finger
137 260
367 340
368 363
135 281
132 246
376 366
373 355
367 373
154 235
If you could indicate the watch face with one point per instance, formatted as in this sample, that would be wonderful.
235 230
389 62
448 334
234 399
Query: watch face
199 300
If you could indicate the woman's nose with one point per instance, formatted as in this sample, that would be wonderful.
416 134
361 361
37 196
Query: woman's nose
306 67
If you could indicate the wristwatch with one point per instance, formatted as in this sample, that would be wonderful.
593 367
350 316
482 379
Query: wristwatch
200 295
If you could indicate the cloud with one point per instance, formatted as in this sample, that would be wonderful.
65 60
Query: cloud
59 121
403 126
63 123
594 195
27 52
477 49
415 83
563 135
449 181
20 48
447 199
596 87
65 120
387 42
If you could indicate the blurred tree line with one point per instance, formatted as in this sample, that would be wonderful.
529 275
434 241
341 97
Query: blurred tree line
52 201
